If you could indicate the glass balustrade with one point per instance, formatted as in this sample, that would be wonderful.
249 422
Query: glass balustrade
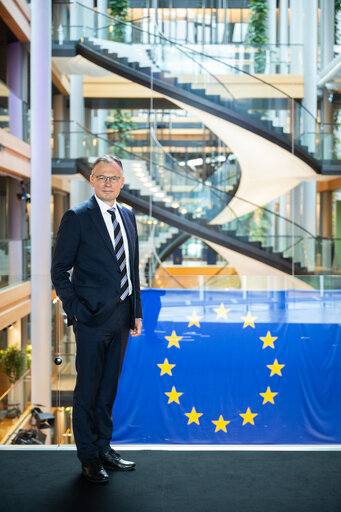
14 405
14 262
14 114
160 177
167 181
277 58
204 76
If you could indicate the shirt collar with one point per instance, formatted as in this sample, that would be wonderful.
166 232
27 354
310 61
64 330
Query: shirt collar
103 206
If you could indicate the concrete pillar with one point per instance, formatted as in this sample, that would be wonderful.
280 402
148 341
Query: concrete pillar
16 218
40 201
327 133
102 19
310 70
326 229
327 31
272 22
76 24
283 41
296 36
82 19
17 83
60 126
102 6
272 33
77 114
327 54
282 224
283 34
102 115
88 17
309 221
296 217
309 119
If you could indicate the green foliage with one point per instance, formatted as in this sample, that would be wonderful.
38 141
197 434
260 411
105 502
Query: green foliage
119 10
257 31
14 362
259 225
121 123
337 8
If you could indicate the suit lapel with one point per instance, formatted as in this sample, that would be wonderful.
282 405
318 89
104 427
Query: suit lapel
97 218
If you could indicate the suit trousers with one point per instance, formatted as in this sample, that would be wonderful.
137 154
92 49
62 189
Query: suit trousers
99 359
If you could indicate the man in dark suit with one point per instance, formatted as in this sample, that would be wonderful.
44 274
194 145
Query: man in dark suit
98 241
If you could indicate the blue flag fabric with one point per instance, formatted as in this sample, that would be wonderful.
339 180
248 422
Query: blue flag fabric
232 367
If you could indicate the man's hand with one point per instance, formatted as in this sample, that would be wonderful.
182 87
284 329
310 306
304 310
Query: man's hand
138 327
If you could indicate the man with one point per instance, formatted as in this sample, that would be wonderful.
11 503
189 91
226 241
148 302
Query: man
98 240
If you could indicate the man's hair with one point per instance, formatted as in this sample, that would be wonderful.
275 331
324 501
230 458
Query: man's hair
109 159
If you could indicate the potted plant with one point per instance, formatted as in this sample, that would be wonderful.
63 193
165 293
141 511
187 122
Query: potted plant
119 10
257 31
121 123
14 362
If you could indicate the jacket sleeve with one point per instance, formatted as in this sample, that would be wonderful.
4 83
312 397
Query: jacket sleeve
64 256
138 312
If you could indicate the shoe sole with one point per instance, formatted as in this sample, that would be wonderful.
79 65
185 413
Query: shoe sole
95 481
118 469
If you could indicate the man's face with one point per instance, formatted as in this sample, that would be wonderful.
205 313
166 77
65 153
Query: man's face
106 190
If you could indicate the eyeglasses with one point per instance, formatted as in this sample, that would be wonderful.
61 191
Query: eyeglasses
103 179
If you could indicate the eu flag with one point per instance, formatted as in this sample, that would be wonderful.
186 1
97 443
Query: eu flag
232 368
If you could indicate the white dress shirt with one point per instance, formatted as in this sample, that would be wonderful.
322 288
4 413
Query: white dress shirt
108 222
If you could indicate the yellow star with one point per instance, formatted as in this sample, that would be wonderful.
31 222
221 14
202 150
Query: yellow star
221 311
268 396
194 319
275 368
268 340
173 340
173 396
166 367
248 416
220 424
193 416
249 320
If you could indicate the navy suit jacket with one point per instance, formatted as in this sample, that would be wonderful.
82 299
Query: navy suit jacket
84 245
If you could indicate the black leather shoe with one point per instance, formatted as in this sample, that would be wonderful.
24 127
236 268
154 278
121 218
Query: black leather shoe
94 471
113 460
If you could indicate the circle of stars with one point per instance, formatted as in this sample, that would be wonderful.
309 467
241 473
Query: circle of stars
194 416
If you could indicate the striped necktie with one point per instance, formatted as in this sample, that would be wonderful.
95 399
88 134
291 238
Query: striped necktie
120 254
